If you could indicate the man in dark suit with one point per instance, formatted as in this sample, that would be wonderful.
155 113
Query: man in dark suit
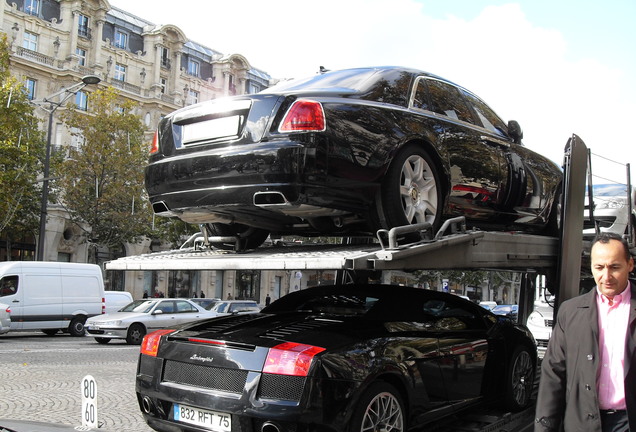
588 374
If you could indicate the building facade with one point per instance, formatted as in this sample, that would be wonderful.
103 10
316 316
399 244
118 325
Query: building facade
54 43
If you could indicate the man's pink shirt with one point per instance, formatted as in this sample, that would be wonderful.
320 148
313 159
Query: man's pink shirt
612 323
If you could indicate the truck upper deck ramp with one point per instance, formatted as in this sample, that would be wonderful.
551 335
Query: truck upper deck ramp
466 250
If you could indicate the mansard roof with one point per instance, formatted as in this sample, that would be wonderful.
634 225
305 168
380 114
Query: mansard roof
139 25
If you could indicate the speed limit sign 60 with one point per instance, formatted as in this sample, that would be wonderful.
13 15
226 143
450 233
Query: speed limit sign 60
89 401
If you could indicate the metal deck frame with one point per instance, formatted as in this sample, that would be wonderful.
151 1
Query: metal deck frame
468 250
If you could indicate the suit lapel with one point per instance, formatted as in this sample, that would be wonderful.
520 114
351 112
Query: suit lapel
593 312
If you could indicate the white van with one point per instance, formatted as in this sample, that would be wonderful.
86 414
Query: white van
116 300
51 296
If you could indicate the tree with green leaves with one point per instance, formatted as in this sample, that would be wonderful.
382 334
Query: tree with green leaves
21 152
100 183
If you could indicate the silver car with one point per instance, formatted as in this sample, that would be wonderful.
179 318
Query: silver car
134 321
540 325
206 303
611 209
5 318
235 307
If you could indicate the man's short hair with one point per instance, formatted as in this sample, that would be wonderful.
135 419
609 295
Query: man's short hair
605 238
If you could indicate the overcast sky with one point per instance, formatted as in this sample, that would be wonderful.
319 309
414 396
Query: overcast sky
559 67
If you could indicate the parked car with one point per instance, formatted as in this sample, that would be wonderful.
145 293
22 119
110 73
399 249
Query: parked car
540 324
348 152
133 321
234 307
205 303
490 305
611 209
116 300
511 311
333 357
5 318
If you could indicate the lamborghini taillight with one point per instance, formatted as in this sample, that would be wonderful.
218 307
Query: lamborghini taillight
290 359
150 343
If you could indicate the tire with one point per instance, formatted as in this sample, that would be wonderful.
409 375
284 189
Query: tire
76 327
136 333
249 237
519 379
379 409
50 332
102 341
411 191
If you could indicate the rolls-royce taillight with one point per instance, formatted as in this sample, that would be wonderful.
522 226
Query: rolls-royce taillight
304 116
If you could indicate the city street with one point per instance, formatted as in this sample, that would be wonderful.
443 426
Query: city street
40 379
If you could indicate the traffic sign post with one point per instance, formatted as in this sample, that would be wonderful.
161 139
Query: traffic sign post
89 401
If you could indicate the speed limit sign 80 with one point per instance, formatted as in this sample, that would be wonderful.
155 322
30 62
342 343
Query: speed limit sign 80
89 401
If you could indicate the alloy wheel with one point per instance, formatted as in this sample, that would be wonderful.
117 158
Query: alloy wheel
383 414
522 378
418 190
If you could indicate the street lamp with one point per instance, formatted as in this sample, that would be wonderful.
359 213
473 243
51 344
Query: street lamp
64 95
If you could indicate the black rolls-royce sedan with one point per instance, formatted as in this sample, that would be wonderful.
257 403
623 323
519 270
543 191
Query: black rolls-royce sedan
346 358
348 152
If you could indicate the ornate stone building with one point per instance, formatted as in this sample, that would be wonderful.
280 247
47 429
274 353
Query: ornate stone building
54 43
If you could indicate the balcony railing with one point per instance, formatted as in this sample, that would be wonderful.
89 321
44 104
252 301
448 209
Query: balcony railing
35 56
126 86
118 44
166 98
85 70
85 32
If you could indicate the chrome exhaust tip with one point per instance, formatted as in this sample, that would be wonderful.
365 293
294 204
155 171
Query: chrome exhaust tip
147 405
269 427
269 199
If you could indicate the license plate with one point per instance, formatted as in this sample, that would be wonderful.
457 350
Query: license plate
93 327
211 129
211 420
